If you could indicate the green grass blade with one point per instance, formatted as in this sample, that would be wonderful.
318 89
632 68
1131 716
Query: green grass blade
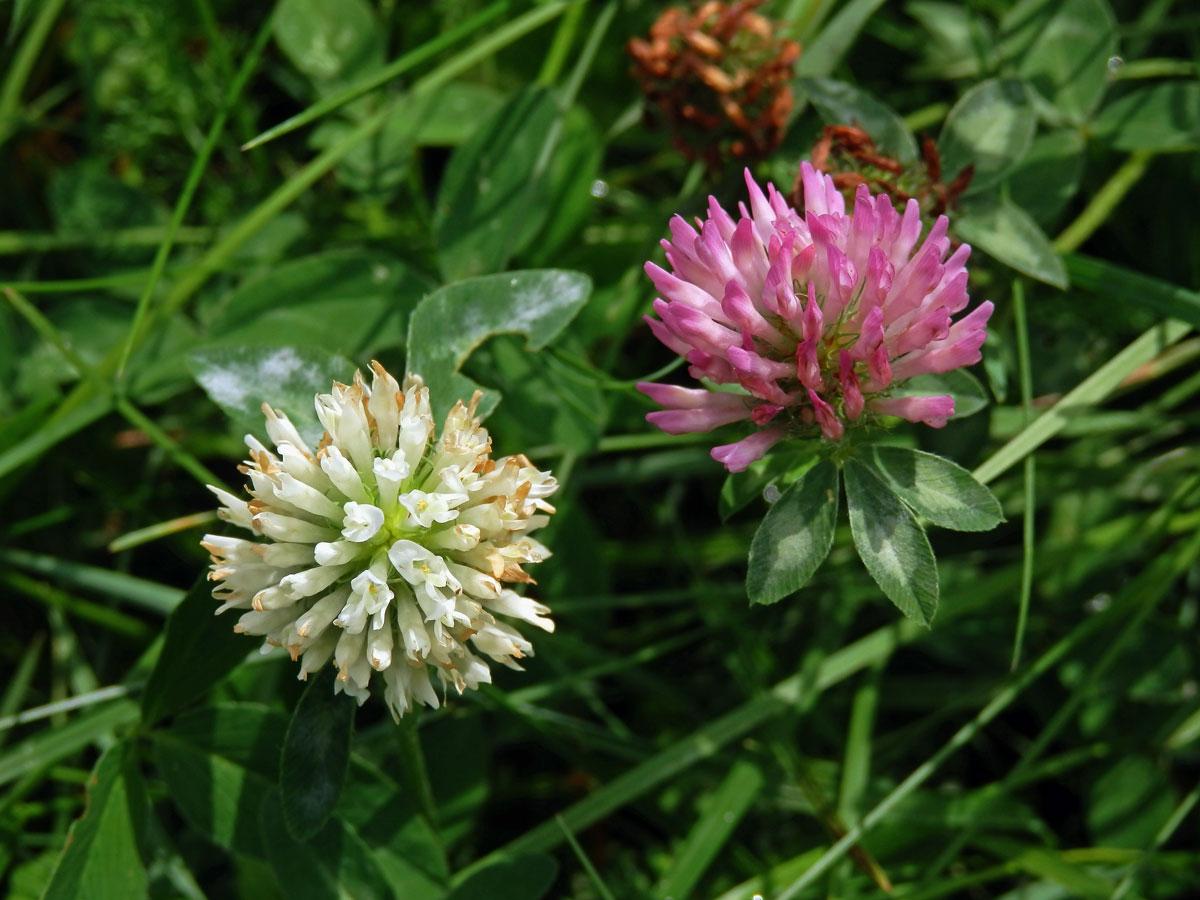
132 414
1164 834
388 73
19 682
1088 393
1141 594
592 874
148 595
118 623
708 740
199 165
80 701
53 744
724 809
1025 370
856 761
65 421
823 54
21 243
22 65
1065 715
1119 283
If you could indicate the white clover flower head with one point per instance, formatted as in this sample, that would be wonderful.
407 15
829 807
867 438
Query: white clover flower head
386 549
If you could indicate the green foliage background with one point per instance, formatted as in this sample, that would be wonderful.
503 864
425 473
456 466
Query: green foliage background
1040 740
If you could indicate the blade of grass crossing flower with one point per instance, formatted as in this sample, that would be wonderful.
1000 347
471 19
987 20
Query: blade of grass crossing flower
1028 524
389 72
1145 591
199 165
159 530
592 874
65 420
723 809
1089 392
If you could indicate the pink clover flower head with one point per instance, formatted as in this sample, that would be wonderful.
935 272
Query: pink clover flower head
813 317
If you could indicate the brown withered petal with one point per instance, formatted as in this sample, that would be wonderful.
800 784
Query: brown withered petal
850 157
718 79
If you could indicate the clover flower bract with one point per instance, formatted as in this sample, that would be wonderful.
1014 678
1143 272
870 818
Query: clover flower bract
387 549
815 318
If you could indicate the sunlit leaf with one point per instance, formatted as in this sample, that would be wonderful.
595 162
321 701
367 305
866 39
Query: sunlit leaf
329 40
368 294
891 543
240 378
794 537
969 395
104 857
1048 176
944 493
451 322
1006 232
1062 48
1163 116
840 103
990 127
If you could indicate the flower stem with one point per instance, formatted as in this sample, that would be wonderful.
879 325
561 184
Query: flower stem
1111 193
415 773
1025 372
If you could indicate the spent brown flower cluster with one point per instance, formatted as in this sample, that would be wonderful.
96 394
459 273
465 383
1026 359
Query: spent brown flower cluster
850 157
717 77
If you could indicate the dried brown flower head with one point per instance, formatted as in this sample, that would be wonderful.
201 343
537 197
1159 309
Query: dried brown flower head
848 154
718 78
